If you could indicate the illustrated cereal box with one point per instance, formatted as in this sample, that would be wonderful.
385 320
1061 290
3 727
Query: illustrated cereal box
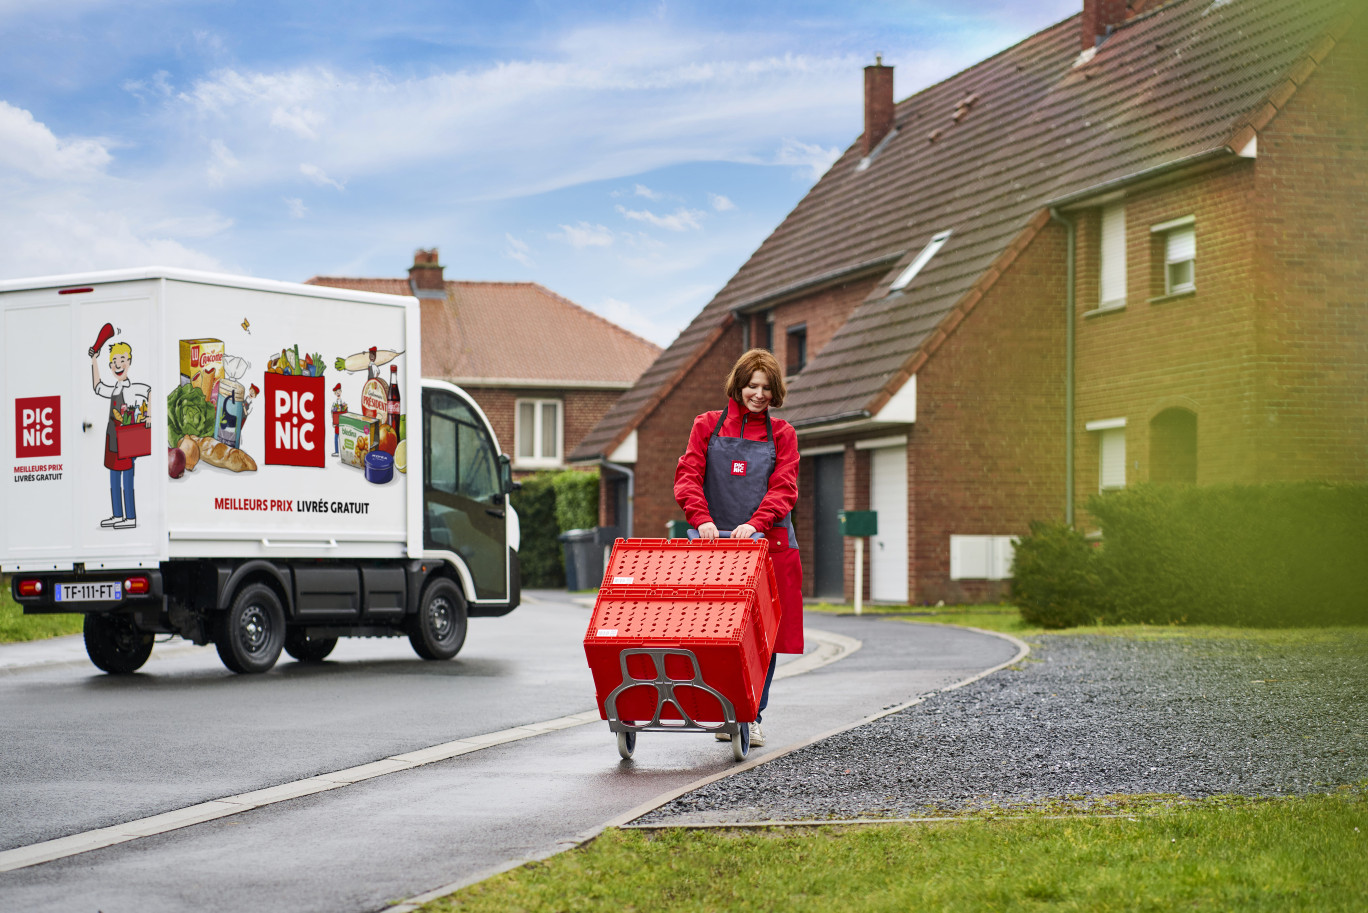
201 364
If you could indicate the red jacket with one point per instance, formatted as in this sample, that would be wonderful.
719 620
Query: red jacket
783 483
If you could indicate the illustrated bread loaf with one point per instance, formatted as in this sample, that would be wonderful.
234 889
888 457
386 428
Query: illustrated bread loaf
217 453
190 447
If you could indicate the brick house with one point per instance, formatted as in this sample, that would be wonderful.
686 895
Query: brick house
1129 248
543 369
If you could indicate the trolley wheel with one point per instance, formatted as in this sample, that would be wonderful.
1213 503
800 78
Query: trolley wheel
626 744
741 743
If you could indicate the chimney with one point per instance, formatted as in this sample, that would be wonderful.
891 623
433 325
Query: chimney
878 99
1098 16
426 272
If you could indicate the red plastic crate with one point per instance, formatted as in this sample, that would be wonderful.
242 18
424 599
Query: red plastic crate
661 593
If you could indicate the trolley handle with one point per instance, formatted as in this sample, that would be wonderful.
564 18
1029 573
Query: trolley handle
724 533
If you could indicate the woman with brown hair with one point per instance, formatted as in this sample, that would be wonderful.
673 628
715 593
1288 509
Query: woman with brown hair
740 473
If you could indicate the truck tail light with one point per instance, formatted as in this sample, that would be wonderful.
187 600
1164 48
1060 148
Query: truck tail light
137 586
31 587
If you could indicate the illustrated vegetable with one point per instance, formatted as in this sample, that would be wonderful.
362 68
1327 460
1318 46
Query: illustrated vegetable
188 412
175 462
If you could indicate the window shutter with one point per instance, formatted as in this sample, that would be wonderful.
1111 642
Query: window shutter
1112 468
1113 280
1181 245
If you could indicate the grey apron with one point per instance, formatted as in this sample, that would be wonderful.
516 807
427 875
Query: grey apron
737 476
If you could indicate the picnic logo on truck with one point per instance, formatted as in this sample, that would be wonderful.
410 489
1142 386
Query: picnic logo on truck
37 427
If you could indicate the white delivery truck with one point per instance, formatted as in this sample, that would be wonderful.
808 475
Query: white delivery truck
250 463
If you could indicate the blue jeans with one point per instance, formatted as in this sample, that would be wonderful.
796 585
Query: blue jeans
769 680
123 507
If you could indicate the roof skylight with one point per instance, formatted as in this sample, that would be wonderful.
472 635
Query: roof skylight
907 275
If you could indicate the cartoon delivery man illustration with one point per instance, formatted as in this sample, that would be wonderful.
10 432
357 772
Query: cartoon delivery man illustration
123 395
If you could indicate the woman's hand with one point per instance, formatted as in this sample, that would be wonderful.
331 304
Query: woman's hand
744 531
707 531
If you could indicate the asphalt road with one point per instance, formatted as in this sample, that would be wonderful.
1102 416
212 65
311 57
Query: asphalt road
82 750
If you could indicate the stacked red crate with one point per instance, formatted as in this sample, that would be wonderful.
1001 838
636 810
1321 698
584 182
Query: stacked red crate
718 599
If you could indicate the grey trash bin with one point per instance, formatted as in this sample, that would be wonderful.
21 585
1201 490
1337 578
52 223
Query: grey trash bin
583 558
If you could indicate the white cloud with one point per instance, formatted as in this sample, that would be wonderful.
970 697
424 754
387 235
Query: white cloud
319 177
296 207
29 147
639 320
74 236
680 220
584 235
816 158
720 203
519 250
642 190
221 163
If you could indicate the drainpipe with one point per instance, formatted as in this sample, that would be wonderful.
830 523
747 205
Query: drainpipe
631 492
1070 240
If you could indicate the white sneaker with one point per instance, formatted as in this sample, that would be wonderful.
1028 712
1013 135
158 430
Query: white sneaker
126 524
757 735
111 521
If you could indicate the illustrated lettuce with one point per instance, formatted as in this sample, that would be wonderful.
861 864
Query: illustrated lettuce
188 412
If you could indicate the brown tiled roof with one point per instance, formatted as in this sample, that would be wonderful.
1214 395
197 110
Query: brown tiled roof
516 331
1182 81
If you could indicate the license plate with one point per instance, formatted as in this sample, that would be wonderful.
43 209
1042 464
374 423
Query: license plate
106 591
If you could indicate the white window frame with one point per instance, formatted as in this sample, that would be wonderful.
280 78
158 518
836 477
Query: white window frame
1111 280
981 557
538 434
1111 442
1184 229
907 275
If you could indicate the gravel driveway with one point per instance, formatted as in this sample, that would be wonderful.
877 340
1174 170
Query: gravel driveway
1083 718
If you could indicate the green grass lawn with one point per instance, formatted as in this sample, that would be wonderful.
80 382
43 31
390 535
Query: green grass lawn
1218 854
16 626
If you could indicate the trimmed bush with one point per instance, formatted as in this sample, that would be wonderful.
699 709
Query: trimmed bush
549 504
1251 555
1055 577
577 499
539 555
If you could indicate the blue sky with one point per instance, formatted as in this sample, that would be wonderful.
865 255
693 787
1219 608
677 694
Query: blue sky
627 155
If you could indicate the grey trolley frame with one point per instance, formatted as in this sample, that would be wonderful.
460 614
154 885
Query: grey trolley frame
665 696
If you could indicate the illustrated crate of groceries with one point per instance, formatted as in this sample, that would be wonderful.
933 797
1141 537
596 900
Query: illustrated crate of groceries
681 637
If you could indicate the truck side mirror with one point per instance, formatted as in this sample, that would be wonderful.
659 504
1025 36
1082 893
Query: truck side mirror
506 483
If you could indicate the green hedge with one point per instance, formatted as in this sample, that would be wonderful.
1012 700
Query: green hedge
1250 555
548 504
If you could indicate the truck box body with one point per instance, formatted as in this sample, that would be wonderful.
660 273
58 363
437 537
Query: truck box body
300 499
282 389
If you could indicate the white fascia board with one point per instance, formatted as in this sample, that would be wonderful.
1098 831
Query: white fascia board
1172 224
823 450
1105 424
901 408
879 443
626 452
541 383
1251 148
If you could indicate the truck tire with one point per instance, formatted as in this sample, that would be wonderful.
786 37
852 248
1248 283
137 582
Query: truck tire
438 631
252 632
115 645
308 649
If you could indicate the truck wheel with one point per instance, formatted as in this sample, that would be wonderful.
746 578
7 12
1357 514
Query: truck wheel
252 632
438 630
308 649
115 645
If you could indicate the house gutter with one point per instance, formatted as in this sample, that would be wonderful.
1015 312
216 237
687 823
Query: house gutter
631 491
1070 242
